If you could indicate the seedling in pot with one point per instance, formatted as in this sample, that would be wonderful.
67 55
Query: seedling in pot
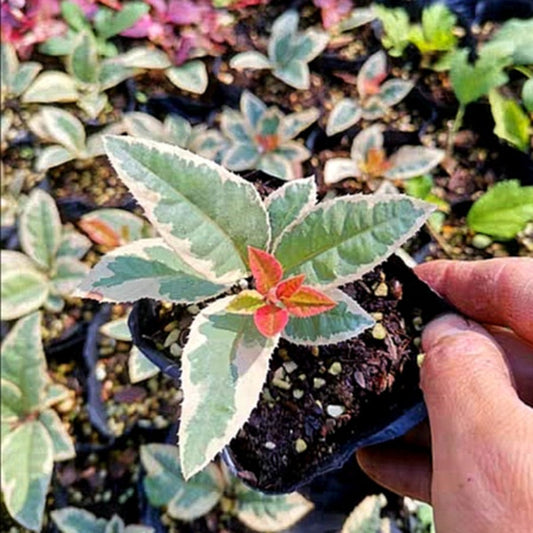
368 160
289 52
205 250
48 268
189 500
33 435
375 95
261 138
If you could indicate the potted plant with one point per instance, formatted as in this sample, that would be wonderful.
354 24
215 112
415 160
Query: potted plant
270 356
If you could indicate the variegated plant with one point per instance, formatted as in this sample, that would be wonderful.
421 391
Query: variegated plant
189 500
289 52
366 517
209 143
49 266
368 160
67 135
261 138
33 436
74 520
215 232
375 95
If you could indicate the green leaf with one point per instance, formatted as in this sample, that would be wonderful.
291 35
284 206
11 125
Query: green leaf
518 34
266 512
186 198
23 291
289 203
143 57
309 45
275 164
241 157
177 130
342 239
74 16
72 520
51 86
53 156
112 72
93 102
246 302
27 464
292 151
121 20
165 485
280 45
23 362
471 81
372 72
11 402
250 59
54 303
437 31
192 76
224 366
144 126
294 73
117 329
511 122
127 226
394 91
62 442
527 95
346 320
55 393
73 244
147 268
40 229
345 114
503 211
235 126
340 168
411 161
59 45
69 272
24 76
293 124
140 367
366 517
64 128
252 109
9 66
359 16
419 186
83 61
396 28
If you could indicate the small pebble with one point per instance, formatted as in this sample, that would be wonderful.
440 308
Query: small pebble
300 445
335 369
379 332
281 384
100 372
381 290
298 393
193 309
315 351
318 383
172 337
481 241
290 367
243 284
377 316
335 410
269 445
420 359
170 326
176 350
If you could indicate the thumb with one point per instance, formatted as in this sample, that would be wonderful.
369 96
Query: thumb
466 383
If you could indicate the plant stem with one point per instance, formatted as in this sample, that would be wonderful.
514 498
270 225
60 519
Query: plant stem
527 72
457 123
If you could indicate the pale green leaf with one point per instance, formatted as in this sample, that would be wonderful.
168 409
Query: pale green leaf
293 151
140 367
346 320
396 28
511 122
309 45
366 517
60 45
121 20
69 273
24 76
9 66
177 130
113 72
270 513
346 113
27 463
63 447
115 525
527 95
370 138
23 362
250 59
143 125
145 58
40 228
166 486
64 128
241 157
73 520
6 121
294 73
74 16
93 103
53 156
55 393
518 34
246 302
342 239
23 291
224 366
73 244
394 91
293 124
373 108
127 226
191 76
252 109
54 303
374 69
117 329
11 402
133 528
194 217
210 144
147 268
51 86
270 122
82 62
235 126
276 165
281 43
289 203
412 161
340 168
358 17
503 211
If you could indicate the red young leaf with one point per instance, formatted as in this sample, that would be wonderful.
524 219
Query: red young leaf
100 233
288 287
266 269
372 86
307 301
270 320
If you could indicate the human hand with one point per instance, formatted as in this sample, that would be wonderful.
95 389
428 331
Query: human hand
477 466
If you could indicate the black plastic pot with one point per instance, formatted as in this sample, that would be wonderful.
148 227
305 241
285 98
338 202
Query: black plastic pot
403 417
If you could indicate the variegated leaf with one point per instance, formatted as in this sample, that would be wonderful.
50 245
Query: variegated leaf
294 73
366 517
82 62
411 161
346 320
145 58
73 244
373 108
394 91
293 151
269 123
148 268
69 273
51 86
370 138
140 367
340 168
342 239
40 229
224 366
234 126
266 512
346 113
252 109
27 462
284 30
24 76
63 447
165 484
191 76
289 203
210 144
295 123
11 397
64 128
251 59
113 72
55 393
194 217
23 362
143 125
124 226
9 66
52 156
115 525
93 103
372 73
117 329
23 291
73 520
276 165
358 17
177 130
54 303
309 45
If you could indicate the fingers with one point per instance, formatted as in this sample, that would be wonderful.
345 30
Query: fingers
496 291
399 468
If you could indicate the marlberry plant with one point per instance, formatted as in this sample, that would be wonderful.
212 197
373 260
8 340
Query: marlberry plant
375 96
33 435
368 160
49 266
215 232
261 138
289 52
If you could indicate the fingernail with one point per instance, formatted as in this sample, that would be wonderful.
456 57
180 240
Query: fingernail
446 325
